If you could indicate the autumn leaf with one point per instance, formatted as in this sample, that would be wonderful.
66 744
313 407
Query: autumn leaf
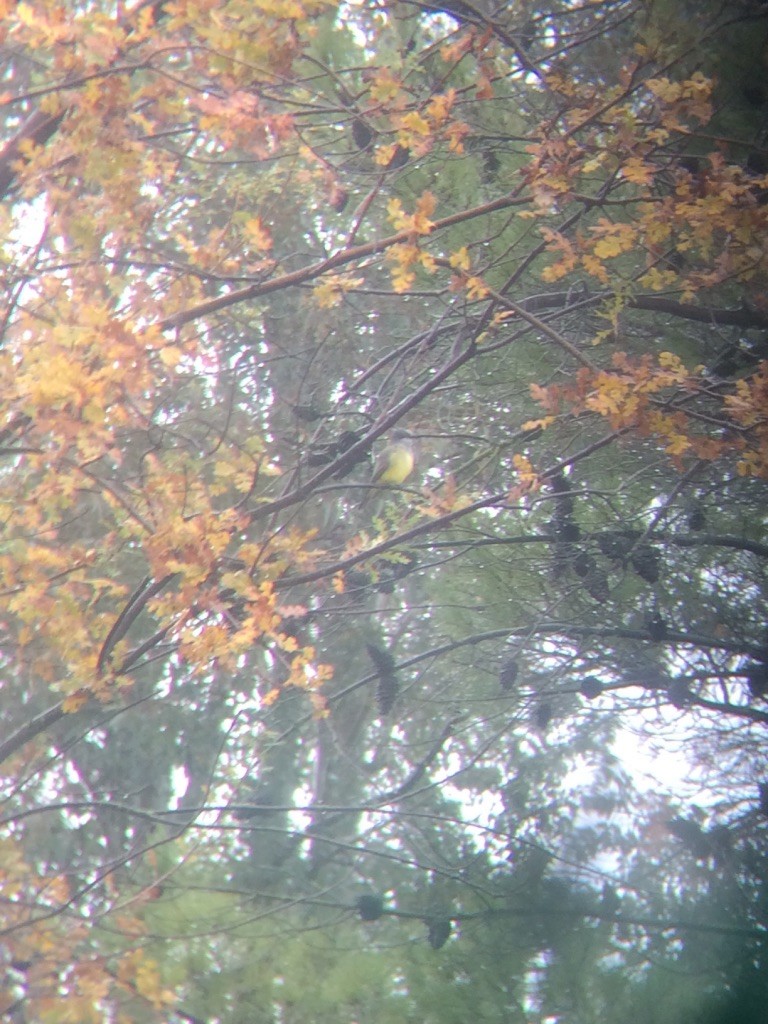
613 239
257 234
331 290
459 260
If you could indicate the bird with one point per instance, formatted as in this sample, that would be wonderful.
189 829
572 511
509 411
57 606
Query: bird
396 462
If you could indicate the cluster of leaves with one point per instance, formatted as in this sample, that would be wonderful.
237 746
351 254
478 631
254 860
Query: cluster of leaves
242 241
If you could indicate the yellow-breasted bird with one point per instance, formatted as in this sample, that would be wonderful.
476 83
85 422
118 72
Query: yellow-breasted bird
395 463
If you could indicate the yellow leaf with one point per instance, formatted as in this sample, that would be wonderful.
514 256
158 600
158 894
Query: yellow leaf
555 271
594 267
664 89
671 362
412 124
541 424
459 260
658 280
385 86
257 234
439 106
395 213
425 207
402 280
613 239
678 444
476 288
170 356
419 222
330 291
637 171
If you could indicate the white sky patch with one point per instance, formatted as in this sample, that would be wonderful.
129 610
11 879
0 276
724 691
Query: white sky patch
653 765
179 784
32 218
